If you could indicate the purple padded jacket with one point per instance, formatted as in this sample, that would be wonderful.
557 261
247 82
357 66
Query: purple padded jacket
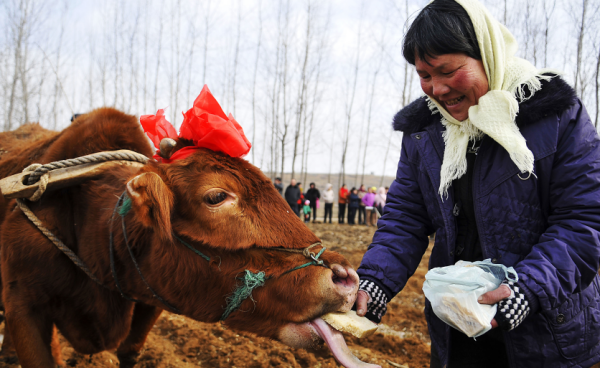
546 226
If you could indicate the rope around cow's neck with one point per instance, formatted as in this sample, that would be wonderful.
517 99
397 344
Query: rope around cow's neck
250 281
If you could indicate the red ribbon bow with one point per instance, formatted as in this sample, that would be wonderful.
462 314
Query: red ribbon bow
205 124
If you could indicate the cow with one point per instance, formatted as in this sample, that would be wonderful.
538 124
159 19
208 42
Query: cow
209 204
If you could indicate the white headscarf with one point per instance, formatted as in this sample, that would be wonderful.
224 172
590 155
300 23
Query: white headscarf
495 112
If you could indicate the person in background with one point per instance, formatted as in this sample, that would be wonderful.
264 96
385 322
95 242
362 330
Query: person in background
301 199
313 195
306 211
502 160
368 201
342 201
353 201
328 198
362 214
379 202
278 185
292 196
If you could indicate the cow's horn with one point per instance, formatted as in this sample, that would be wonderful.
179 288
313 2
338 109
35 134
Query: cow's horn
167 146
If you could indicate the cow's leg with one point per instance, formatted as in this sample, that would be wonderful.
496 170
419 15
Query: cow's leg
31 336
144 317
8 353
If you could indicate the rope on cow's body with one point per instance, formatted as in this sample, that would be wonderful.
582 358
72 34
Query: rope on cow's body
59 244
39 170
244 291
40 173
123 210
250 281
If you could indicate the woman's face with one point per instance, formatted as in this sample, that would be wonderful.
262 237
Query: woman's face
455 81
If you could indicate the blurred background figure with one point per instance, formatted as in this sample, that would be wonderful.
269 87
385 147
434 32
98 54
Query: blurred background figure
342 201
353 204
292 196
313 195
362 215
328 197
368 201
379 202
306 211
278 185
301 199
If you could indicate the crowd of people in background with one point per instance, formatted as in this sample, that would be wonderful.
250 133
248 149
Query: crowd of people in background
368 203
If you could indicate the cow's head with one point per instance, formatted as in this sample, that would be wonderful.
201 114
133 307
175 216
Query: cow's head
230 210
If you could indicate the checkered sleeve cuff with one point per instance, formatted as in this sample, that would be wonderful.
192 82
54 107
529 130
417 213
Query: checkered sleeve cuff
377 304
512 310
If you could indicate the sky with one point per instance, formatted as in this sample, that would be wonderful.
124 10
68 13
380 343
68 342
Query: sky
76 40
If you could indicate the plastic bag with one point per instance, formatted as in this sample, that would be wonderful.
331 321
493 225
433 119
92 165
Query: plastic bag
453 292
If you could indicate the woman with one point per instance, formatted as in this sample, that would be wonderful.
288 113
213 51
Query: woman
521 190
328 197
368 200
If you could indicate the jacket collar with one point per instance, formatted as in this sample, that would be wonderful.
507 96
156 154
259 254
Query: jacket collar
555 97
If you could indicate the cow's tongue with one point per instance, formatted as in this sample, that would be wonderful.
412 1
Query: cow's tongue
337 344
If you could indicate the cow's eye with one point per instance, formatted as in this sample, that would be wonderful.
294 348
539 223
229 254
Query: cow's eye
215 198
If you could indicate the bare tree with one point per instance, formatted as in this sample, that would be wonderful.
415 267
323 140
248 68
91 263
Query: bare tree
284 83
580 36
303 84
236 54
548 12
350 95
207 25
258 47
57 65
23 16
158 58
175 67
133 66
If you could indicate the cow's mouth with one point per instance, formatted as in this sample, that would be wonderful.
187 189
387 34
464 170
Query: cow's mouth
310 334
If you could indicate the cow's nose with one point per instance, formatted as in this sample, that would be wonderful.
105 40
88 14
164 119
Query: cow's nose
345 281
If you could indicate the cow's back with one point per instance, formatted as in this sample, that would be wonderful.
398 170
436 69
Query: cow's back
104 129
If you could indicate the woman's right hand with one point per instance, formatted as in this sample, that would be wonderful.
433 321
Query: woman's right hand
361 303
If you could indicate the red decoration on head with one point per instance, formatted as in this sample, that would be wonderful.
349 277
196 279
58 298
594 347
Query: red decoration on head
205 124
157 127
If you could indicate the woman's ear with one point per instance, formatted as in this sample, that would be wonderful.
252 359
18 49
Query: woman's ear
152 201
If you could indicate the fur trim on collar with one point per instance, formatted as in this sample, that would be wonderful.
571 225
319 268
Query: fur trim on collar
556 96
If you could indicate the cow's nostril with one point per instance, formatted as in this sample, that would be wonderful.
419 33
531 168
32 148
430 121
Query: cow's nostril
346 281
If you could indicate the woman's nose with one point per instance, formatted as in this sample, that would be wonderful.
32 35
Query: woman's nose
440 88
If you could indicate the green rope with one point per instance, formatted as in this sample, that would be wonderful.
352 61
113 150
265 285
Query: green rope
192 248
125 207
250 282
315 262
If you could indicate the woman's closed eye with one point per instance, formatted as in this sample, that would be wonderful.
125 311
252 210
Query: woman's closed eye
450 72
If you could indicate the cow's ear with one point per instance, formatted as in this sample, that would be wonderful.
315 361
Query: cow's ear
152 201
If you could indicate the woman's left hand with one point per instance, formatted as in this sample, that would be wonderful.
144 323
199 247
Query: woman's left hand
493 297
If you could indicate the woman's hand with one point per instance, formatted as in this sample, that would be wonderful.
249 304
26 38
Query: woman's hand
491 298
361 303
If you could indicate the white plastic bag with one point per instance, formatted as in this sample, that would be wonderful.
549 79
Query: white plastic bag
453 292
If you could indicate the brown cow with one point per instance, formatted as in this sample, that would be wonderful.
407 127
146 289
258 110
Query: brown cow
223 207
